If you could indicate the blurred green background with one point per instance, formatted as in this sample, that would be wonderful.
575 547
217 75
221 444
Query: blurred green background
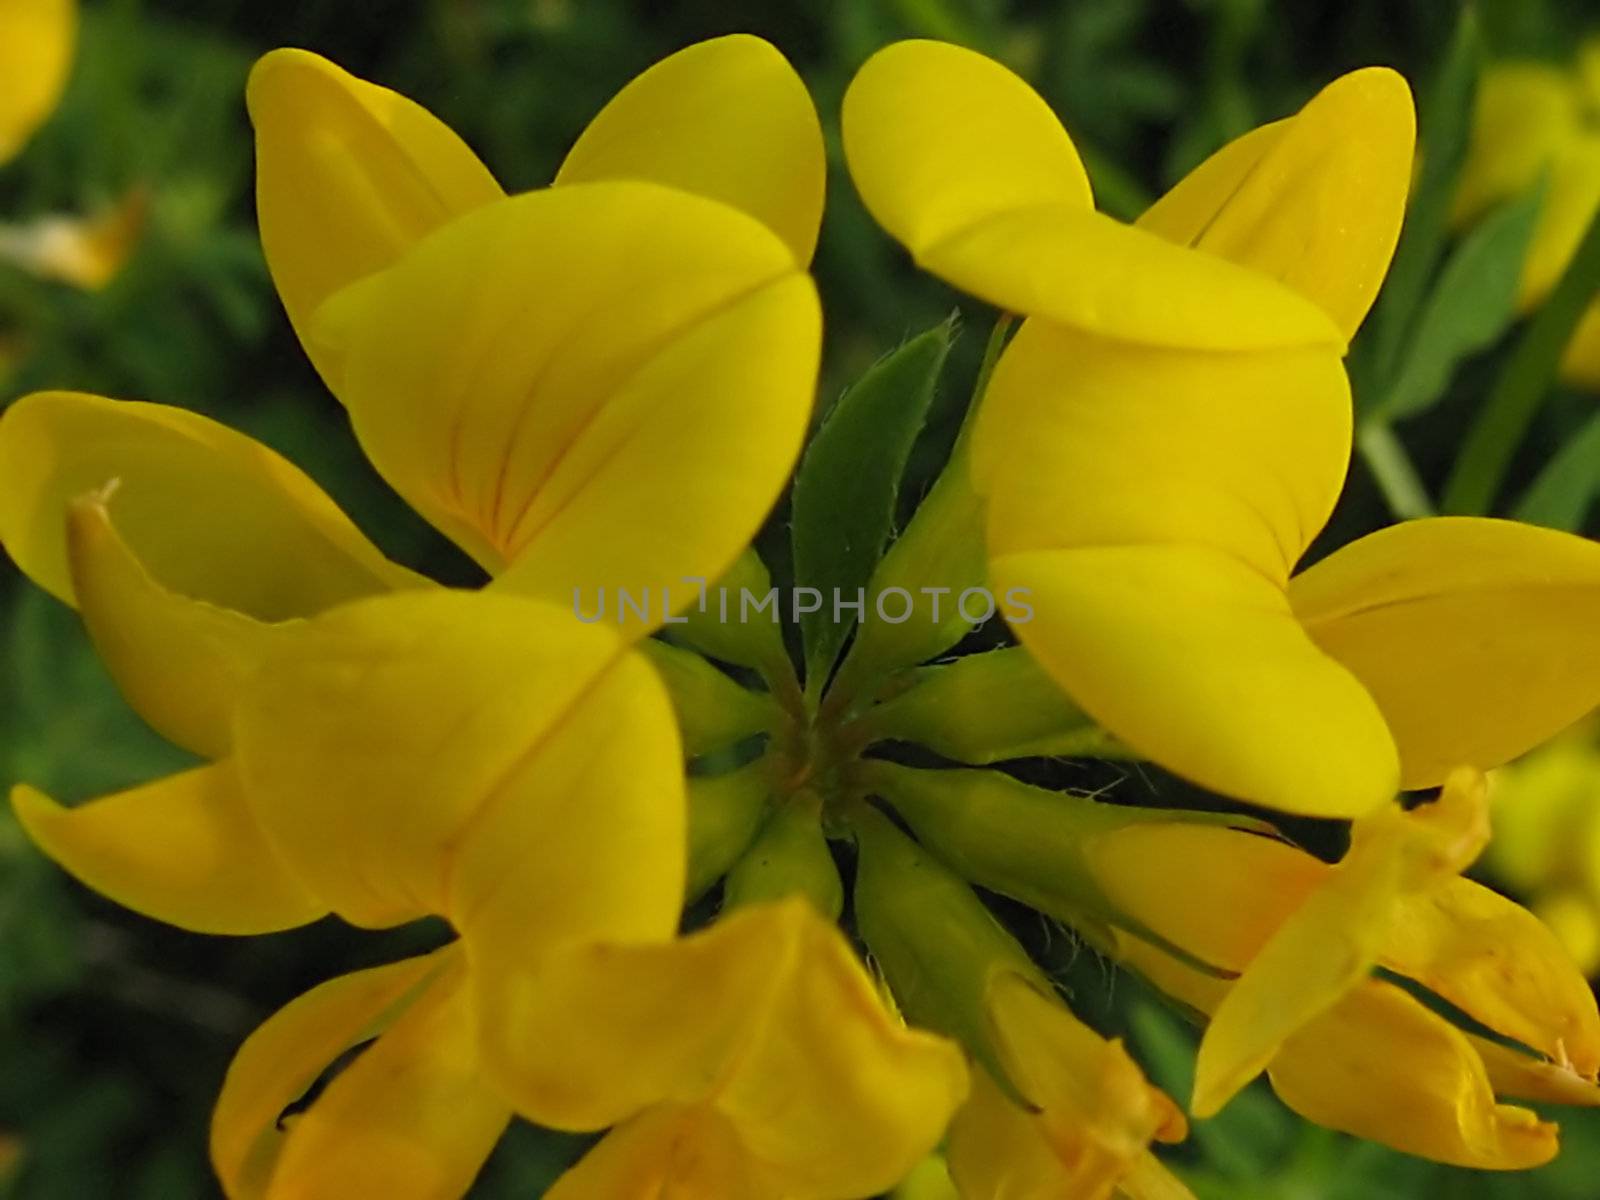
115 1031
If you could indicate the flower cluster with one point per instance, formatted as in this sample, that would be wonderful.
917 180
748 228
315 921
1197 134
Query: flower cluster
1149 461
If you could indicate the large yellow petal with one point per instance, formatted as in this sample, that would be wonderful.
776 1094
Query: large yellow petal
180 662
1334 938
727 119
1381 1066
184 850
391 743
412 1118
940 138
669 1152
36 43
286 1055
1256 710
962 162
1150 503
602 385
1315 201
1087 442
1475 636
1499 964
348 176
776 1025
210 514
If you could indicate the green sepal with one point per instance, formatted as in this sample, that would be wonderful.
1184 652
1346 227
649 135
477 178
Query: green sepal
848 483
788 857
988 708
713 711
725 814
935 942
942 549
1470 306
1445 127
1028 843
719 630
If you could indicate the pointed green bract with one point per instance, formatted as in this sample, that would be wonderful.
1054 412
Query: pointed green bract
1470 306
848 482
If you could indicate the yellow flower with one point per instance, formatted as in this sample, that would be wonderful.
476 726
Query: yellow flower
1278 949
485 759
1170 429
600 384
36 44
1547 839
1536 121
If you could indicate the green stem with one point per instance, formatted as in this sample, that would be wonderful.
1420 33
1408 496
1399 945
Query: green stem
1512 404
1386 457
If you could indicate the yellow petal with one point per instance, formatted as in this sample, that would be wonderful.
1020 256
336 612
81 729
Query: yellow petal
1095 1110
181 663
998 1151
727 119
940 138
1474 636
412 1118
348 176
1086 442
1381 1066
962 162
1500 965
409 753
1216 893
282 1060
210 514
1332 941
1314 201
669 1152
1257 711
776 1025
1189 207
603 386
36 43
184 850
1150 504
1523 1077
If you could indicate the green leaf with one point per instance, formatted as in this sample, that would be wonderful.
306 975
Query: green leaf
1445 125
1472 304
1523 384
849 480
1562 494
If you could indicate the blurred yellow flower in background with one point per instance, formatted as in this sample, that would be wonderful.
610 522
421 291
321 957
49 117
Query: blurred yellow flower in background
1547 838
1541 121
